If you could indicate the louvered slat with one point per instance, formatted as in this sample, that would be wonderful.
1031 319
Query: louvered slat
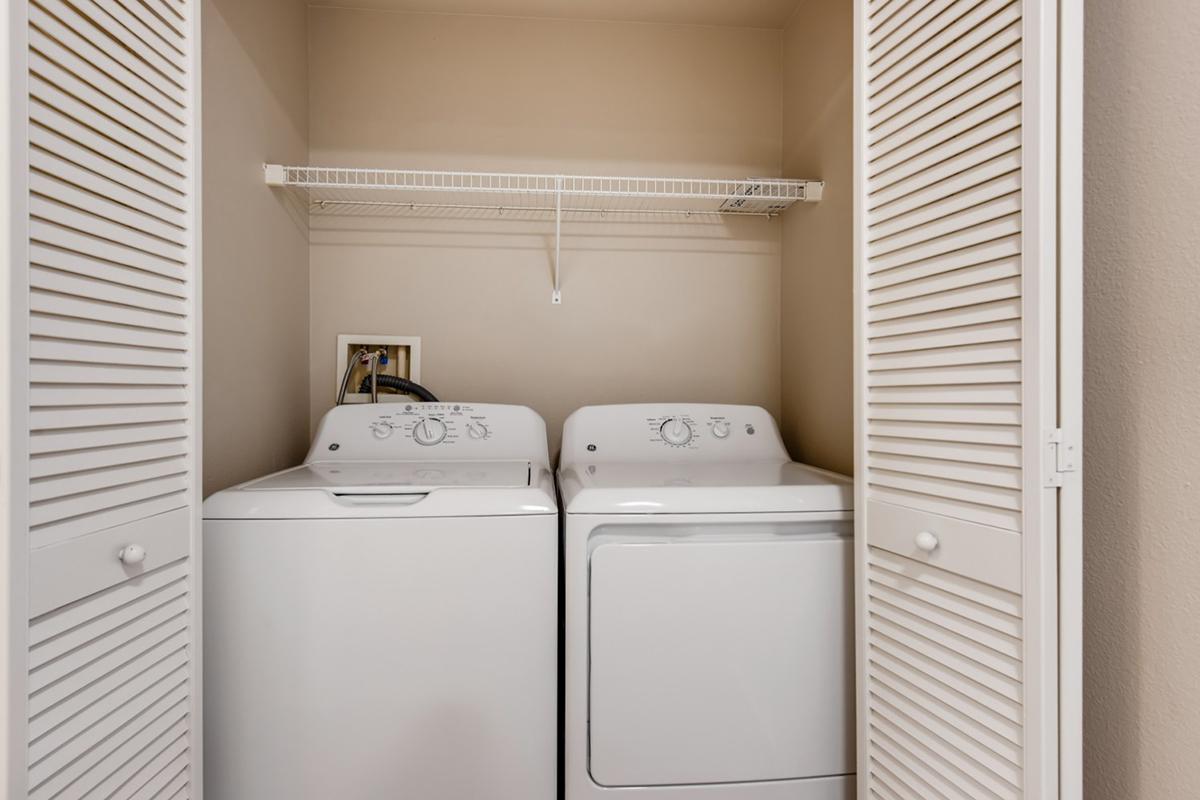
43 443
69 419
103 673
78 78
101 282
980 26
58 22
112 393
883 10
948 150
69 262
154 779
117 24
944 290
945 450
945 702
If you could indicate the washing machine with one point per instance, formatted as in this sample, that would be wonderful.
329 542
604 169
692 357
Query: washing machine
382 621
709 650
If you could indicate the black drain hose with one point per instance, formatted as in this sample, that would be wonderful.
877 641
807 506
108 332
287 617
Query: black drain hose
401 385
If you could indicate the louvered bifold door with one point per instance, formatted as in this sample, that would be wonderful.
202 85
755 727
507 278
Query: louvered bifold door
113 496
955 299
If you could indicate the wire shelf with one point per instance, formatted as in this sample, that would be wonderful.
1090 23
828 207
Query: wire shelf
338 190
335 189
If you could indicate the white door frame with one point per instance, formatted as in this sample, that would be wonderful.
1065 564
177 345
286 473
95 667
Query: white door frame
1039 280
14 397
1070 396
195 10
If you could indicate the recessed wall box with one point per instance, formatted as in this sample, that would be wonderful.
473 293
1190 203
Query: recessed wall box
403 361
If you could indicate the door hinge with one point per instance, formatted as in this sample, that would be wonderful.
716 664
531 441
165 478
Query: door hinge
1062 456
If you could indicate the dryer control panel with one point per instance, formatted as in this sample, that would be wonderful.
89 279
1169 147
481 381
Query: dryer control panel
670 432
440 431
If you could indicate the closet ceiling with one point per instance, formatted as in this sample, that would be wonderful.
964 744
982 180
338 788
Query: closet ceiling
742 13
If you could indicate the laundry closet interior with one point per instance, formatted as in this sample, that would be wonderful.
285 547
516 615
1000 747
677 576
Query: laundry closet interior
638 232
713 308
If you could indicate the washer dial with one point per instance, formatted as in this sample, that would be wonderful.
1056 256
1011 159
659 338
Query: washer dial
429 431
477 430
676 431
720 429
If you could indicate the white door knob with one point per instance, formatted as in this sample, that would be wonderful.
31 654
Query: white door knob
132 554
926 541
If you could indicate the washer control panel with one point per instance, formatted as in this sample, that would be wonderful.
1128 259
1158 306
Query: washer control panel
432 424
671 432
418 430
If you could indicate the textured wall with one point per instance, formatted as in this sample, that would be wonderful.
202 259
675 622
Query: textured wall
1142 426
654 308
817 280
255 98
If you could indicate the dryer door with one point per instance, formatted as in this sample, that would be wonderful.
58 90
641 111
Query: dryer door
717 662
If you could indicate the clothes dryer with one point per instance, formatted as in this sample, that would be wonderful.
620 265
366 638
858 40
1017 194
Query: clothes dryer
709 628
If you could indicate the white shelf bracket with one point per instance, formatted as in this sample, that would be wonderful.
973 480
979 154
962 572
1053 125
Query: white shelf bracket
556 296
275 174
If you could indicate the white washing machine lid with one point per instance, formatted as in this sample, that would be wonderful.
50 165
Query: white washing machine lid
703 488
396 477
357 489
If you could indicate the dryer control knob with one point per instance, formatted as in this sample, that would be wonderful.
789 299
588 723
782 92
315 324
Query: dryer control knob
477 430
676 431
720 429
429 431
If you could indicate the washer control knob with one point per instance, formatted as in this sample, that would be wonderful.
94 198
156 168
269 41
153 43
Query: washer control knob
429 431
477 430
676 431
382 430
720 429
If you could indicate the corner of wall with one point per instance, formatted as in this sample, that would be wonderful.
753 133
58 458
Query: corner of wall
255 382
816 281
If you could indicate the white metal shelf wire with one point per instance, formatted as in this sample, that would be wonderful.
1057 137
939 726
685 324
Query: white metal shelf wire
334 190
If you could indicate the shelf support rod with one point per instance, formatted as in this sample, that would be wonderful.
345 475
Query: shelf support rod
556 297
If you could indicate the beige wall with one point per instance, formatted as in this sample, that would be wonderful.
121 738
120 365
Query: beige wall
255 244
1142 380
653 309
817 275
